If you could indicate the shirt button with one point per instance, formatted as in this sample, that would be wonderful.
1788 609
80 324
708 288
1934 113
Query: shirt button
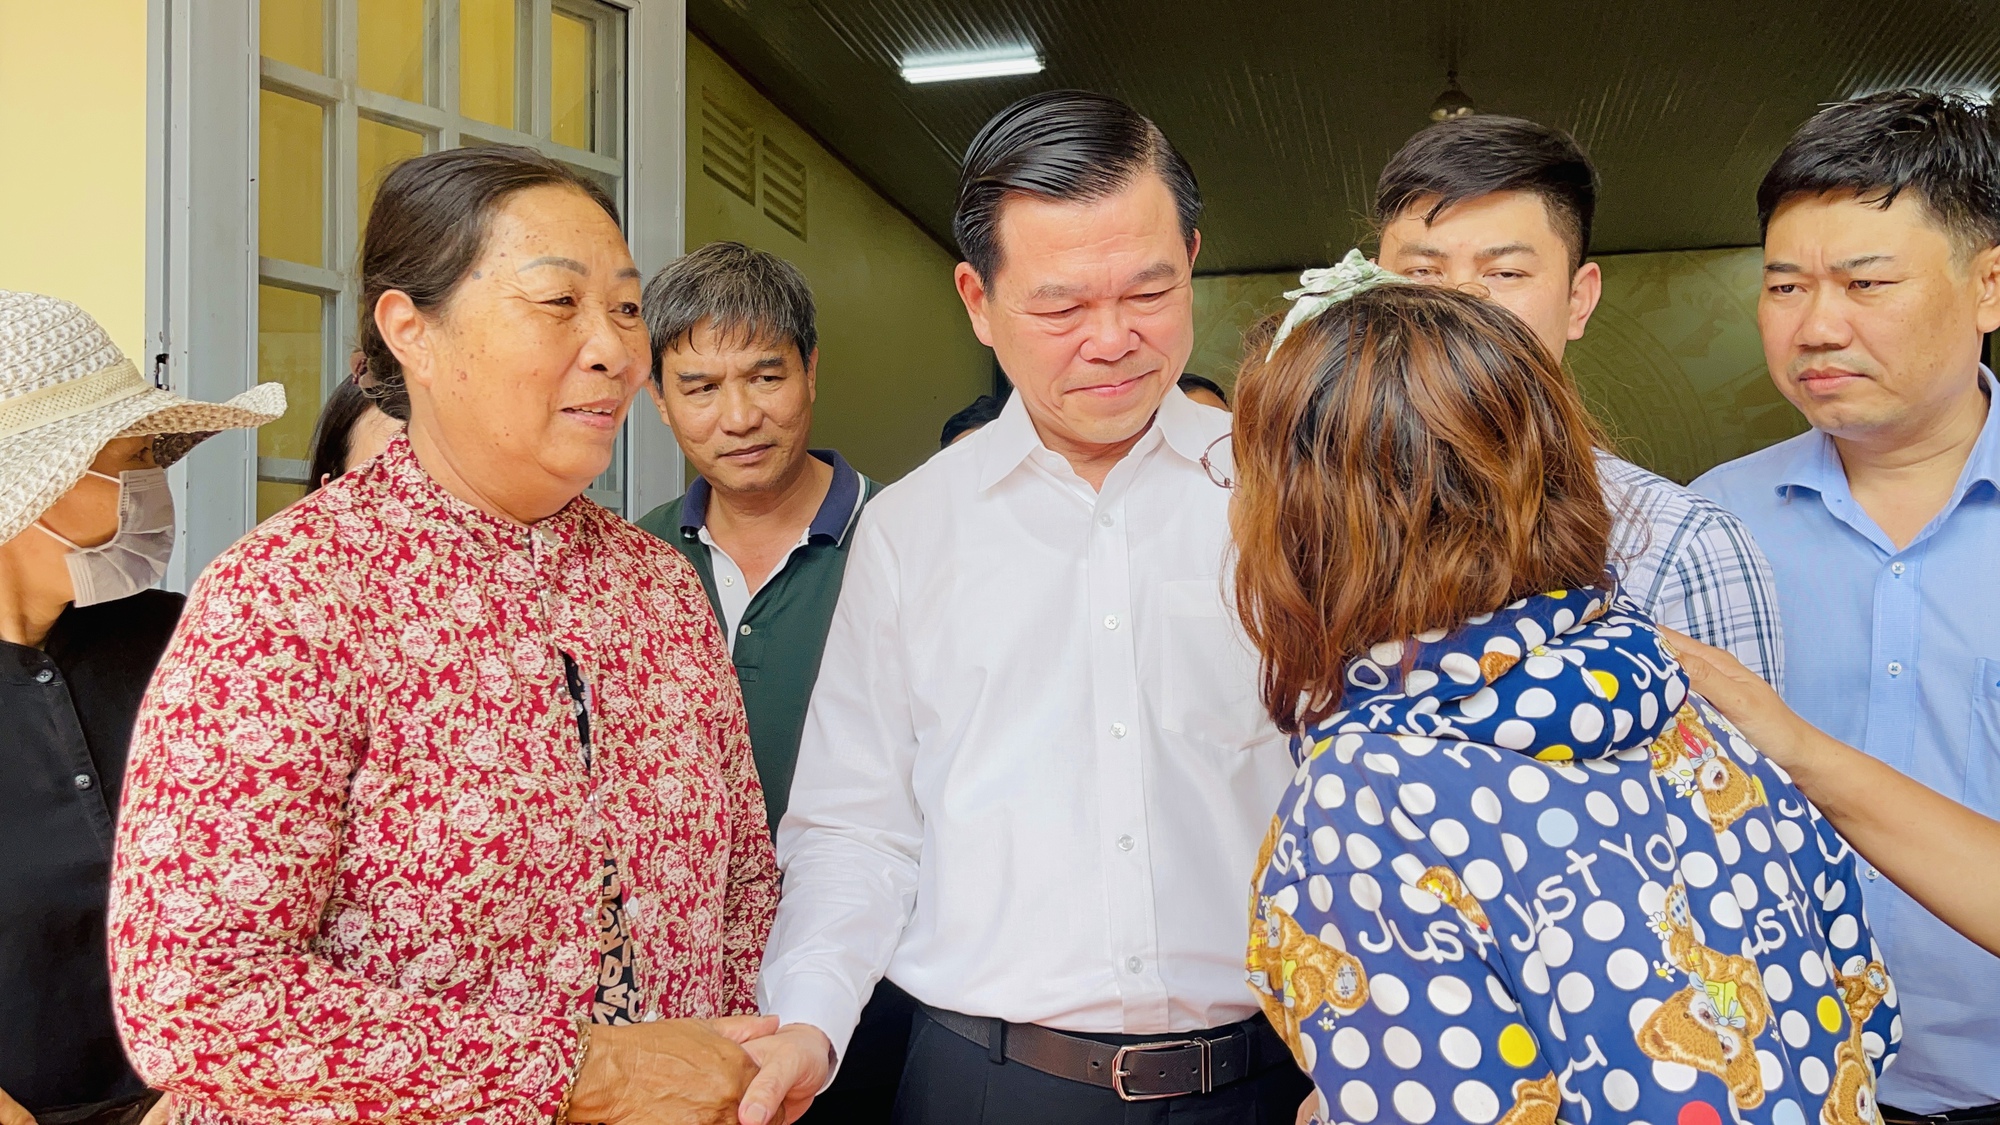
1897 568
44 676
1111 621
1106 519
1126 843
1895 667
81 781
1133 964
1118 730
745 630
728 581
1872 873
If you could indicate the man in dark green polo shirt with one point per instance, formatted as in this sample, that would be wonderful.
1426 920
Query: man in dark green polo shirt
767 522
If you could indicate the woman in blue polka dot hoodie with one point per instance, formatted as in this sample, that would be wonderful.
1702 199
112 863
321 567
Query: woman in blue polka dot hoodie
1522 875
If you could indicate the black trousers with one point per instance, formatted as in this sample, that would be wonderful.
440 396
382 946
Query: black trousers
864 1092
950 1080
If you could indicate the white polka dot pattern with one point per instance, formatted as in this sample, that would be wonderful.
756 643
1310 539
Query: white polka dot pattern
1595 893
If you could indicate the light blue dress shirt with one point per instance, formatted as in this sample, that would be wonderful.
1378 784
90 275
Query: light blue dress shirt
1898 653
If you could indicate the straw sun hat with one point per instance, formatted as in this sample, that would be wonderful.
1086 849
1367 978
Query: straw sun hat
66 390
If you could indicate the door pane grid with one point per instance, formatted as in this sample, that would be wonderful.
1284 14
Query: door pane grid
350 88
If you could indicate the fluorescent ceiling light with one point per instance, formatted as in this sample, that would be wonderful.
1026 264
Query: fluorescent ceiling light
955 68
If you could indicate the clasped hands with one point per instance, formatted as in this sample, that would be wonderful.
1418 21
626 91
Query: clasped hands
738 1070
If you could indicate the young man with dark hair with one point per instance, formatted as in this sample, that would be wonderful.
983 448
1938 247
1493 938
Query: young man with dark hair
1035 770
1881 224
1503 206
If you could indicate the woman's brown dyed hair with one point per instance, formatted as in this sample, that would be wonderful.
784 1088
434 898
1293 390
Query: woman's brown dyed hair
1409 459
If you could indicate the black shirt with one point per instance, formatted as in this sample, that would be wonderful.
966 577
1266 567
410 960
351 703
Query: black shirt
66 714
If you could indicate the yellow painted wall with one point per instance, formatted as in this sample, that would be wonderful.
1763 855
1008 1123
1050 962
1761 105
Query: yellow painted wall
1671 363
73 158
896 354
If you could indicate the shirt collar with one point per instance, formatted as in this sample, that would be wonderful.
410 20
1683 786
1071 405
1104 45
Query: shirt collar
836 512
1984 464
829 524
420 493
1816 464
1579 644
1188 427
1003 444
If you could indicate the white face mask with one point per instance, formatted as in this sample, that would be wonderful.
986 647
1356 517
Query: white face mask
134 558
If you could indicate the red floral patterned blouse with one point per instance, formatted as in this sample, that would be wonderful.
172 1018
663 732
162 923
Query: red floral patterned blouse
359 860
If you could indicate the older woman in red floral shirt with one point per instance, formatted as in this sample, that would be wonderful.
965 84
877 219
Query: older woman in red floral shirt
441 805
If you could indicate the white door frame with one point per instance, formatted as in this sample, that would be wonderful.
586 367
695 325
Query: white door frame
201 261
201 229
655 210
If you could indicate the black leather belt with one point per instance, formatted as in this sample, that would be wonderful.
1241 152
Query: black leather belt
1170 1067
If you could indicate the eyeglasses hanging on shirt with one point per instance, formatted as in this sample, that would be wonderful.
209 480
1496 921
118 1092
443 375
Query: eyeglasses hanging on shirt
617 997
1218 471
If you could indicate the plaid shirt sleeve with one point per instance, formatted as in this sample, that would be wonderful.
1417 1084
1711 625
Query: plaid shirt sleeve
1694 567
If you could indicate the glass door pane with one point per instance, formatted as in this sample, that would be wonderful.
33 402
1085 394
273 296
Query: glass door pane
379 147
486 60
573 81
290 350
293 31
291 178
392 47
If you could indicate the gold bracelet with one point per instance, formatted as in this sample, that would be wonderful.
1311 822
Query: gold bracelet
576 1075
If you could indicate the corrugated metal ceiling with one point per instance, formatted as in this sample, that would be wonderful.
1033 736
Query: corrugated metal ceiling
1287 110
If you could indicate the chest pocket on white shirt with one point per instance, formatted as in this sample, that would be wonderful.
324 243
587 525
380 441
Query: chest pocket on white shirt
1209 673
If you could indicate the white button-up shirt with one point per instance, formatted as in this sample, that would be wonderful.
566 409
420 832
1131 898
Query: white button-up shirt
1035 773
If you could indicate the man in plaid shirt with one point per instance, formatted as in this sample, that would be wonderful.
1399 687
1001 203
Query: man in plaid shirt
1503 206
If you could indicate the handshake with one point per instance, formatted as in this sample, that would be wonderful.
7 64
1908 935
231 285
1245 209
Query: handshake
738 1070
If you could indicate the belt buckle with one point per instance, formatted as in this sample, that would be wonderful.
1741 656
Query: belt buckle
1119 1073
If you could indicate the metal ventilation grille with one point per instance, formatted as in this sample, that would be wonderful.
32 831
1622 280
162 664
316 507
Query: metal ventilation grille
728 149
784 188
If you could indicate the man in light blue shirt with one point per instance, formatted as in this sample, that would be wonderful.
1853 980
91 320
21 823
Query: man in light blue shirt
1881 227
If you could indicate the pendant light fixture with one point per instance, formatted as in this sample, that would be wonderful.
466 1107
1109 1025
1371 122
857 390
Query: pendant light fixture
1454 102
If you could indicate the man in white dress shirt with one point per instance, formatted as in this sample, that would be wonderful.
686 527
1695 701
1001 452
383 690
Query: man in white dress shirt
1035 773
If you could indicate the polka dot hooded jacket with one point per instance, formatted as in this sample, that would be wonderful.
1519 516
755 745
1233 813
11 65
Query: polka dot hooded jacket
1526 877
